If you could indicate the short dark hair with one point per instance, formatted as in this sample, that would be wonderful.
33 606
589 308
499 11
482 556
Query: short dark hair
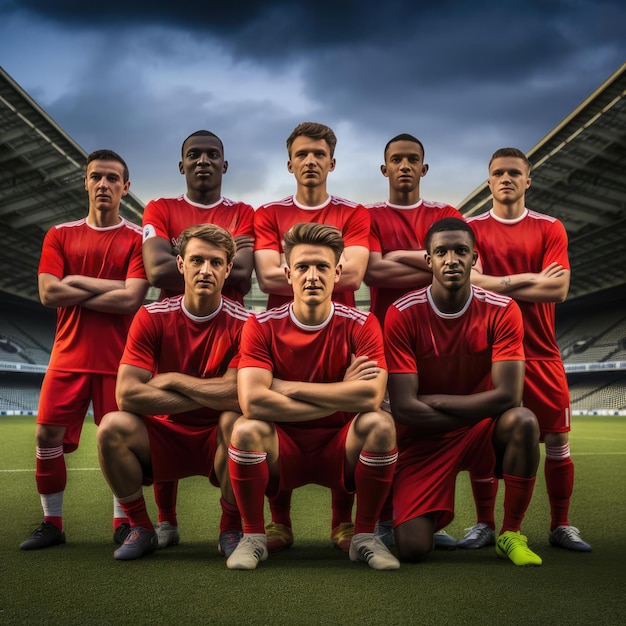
510 152
200 133
107 155
210 233
405 137
314 131
315 234
446 224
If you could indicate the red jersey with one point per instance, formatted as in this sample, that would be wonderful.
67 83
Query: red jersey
527 244
272 221
400 228
165 337
276 341
87 340
168 217
452 353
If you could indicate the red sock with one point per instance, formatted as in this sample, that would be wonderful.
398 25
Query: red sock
136 512
280 508
485 491
342 504
386 514
50 472
231 518
559 473
165 497
372 478
517 494
249 476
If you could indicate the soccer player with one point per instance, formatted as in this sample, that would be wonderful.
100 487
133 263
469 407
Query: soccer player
524 255
456 374
397 262
176 377
311 148
91 271
203 165
311 379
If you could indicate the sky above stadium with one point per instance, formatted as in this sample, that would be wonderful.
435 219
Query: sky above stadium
465 77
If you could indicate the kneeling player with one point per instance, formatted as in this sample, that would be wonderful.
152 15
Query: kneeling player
311 379
177 381
456 366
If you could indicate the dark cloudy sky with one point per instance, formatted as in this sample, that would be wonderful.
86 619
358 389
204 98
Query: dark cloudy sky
465 77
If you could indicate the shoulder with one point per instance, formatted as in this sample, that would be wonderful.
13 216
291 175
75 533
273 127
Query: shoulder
342 202
285 202
134 228
235 310
69 225
234 204
491 298
165 306
277 313
412 299
352 313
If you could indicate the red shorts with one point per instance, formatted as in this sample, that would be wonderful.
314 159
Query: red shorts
64 400
180 450
426 472
546 394
311 455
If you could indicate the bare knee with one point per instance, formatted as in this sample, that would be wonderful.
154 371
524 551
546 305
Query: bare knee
377 430
414 539
49 436
247 434
115 429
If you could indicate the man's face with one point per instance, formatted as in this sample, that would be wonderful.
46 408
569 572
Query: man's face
310 161
404 165
104 183
204 267
203 163
508 179
451 258
312 273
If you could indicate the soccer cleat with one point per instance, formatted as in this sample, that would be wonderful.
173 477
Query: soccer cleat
250 550
514 546
138 543
279 537
384 531
444 541
120 533
477 536
44 536
341 536
370 549
228 541
167 534
568 537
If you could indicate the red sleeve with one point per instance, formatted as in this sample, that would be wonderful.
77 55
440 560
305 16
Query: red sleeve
266 232
245 221
52 259
142 342
399 343
356 231
255 349
508 334
155 215
370 341
555 246
135 265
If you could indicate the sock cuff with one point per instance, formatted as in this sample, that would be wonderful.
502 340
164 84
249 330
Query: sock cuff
48 453
378 459
245 457
558 453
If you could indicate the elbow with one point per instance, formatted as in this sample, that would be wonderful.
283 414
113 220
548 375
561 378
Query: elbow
264 285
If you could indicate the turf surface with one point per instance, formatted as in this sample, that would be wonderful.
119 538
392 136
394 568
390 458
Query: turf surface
80 583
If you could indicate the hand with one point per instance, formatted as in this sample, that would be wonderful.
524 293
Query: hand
554 270
361 368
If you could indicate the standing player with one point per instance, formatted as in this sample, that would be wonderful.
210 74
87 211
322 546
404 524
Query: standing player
456 374
397 262
524 255
311 379
177 375
311 148
91 271
203 165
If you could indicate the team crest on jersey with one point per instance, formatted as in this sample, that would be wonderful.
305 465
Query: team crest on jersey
148 232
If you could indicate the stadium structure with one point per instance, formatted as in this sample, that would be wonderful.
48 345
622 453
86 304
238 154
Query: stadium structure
579 176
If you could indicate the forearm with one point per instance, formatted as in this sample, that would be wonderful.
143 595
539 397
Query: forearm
92 284
122 301
163 273
393 274
426 420
145 399
353 396
489 403
218 393
271 406
528 286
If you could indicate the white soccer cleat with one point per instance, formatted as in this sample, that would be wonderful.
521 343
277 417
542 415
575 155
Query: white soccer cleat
370 549
251 549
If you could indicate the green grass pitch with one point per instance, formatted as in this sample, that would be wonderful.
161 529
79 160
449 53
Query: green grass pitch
81 583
